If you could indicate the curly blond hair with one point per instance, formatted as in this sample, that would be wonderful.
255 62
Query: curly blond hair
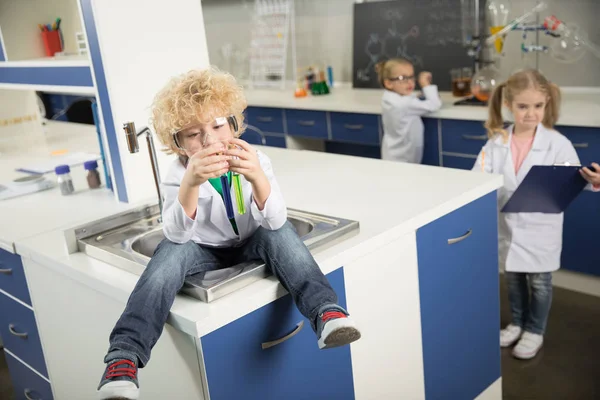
196 97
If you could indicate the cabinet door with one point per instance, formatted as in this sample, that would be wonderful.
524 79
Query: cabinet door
459 294
431 150
12 276
355 128
266 119
580 234
459 162
463 137
305 123
27 384
237 366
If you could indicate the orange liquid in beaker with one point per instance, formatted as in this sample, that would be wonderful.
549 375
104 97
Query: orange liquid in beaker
499 42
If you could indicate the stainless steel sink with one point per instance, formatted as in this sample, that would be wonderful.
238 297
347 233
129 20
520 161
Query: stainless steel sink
128 240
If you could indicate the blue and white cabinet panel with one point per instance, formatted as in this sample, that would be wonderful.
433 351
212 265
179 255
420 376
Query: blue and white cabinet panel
238 367
459 301
429 311
19 332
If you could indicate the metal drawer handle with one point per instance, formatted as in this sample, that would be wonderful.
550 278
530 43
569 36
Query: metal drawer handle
581 145
461 238
27 393
273 343
354 127
265 119
7 271
475 137
306 123
11 329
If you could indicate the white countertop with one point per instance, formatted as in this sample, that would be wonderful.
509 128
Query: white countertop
388 199
40 212
580 107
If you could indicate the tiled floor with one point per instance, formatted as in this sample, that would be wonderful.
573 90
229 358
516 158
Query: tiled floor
567 368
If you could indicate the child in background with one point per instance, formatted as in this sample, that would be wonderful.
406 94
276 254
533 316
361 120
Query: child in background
199 117
530 244
403 130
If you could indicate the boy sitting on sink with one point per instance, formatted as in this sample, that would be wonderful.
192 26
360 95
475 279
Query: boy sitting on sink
198 116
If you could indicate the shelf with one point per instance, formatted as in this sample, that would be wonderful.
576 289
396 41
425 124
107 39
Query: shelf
61 75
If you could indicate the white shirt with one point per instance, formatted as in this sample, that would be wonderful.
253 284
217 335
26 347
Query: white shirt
528 242
403 129
211 227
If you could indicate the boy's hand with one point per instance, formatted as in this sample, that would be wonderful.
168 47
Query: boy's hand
210 162
425 79
591 176
247 163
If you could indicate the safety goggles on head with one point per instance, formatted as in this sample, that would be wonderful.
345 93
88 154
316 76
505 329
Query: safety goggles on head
195 137
403 78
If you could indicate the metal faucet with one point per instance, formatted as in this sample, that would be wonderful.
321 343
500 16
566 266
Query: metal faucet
132 144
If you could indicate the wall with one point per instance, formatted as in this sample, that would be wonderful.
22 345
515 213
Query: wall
324 35
19 21
138 60
20 121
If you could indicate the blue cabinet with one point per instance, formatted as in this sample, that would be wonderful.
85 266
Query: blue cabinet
355 128
582 218
238 367
19 333
266 119
580 232
459 162
27 384
464 137
12 276
431 149
311 124
459 294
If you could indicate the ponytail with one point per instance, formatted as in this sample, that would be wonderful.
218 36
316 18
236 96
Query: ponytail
380 70
495 123
553 107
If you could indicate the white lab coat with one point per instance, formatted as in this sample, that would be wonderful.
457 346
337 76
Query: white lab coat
403 130
528 242
211 227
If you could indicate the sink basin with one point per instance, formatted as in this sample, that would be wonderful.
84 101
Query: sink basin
147 243
128 240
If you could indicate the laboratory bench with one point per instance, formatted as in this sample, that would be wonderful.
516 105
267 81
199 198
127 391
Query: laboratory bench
348 121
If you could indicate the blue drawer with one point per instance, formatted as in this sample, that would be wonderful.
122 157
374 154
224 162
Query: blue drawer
459 162
275 141
266 118
355 128
585 140
12 276
312 124
465 137
26 383
19 333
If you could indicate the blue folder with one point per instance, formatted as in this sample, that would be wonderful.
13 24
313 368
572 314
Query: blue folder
546 189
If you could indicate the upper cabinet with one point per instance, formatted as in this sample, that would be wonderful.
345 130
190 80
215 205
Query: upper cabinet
24 60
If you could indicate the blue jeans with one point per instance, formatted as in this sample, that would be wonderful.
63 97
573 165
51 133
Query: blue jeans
530 314
141 324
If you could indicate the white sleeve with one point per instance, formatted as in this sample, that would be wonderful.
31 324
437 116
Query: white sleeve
484 159
274 214
177 226
432 102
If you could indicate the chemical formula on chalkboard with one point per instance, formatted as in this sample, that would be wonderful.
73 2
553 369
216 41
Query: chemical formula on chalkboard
428 33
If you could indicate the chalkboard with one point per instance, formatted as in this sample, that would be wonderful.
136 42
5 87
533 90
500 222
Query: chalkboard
426 32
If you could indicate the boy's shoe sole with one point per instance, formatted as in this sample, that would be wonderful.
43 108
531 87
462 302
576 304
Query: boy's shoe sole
338 332
119 390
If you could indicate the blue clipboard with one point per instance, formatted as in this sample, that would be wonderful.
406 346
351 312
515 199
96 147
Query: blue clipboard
546 189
